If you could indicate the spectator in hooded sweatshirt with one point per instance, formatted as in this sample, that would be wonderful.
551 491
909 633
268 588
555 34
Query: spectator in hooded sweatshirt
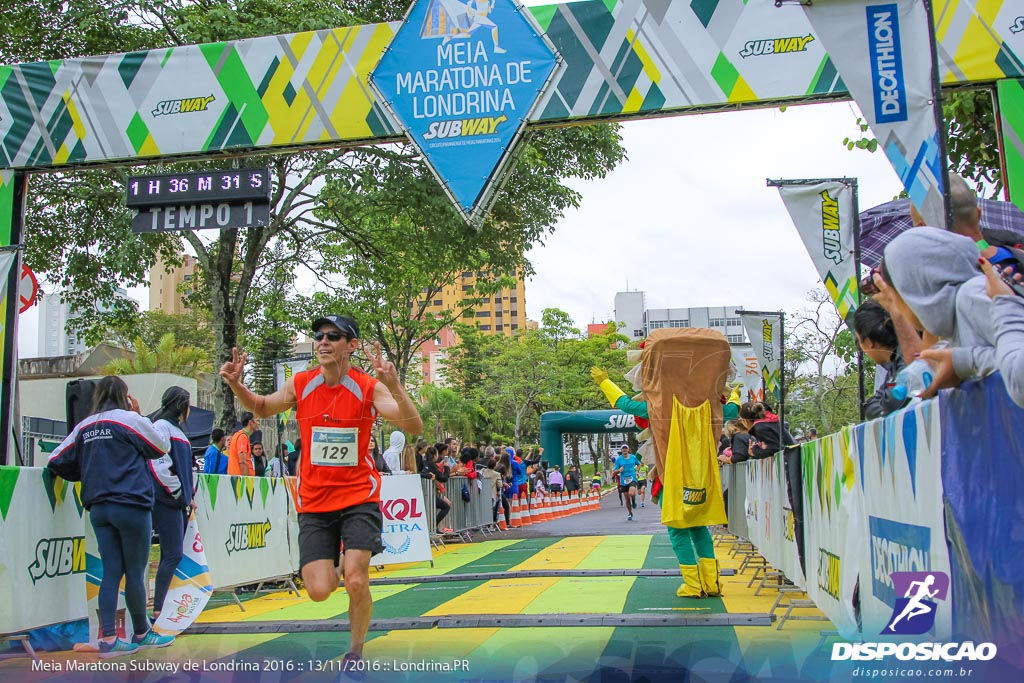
109 453
173 487
393 453
1008 318
932 278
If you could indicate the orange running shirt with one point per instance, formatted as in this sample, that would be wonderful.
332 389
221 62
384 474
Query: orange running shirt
239 447
325 488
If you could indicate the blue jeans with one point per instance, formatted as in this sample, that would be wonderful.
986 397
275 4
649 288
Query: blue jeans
169 523
123 533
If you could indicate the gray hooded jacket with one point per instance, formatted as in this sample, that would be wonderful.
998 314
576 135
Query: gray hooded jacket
936 272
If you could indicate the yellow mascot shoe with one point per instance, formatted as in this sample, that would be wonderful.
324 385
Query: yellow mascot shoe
691 587
709 576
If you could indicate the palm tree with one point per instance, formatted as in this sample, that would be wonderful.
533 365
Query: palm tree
446 411
187 361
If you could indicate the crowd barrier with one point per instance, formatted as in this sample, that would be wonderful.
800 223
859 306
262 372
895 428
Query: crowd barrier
931 488
248 525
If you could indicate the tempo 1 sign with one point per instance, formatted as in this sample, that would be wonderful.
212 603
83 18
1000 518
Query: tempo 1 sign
199 200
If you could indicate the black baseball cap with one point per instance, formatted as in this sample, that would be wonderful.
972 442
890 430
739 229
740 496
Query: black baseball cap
348 326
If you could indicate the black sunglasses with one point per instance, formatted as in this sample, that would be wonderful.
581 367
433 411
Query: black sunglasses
331 336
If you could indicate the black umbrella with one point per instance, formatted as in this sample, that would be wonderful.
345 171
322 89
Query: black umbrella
1001 223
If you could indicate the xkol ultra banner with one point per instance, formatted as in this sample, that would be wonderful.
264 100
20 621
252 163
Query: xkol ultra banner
883 53
765 334
823 215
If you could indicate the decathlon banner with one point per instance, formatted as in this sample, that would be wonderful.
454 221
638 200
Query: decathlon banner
406 534
824 215
190 586
748 371
883 50
765 333
832 510
42 550
462 78
902 527
244 522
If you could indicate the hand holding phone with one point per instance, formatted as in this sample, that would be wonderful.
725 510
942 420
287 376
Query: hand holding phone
1000 282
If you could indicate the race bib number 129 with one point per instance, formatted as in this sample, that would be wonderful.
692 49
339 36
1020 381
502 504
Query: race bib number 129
335 446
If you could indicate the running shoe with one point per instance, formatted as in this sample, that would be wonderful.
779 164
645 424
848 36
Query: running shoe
117 648
630 518
152 640
641 504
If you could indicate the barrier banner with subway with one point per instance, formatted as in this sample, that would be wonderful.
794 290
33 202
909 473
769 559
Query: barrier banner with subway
833 503
244 522
42 550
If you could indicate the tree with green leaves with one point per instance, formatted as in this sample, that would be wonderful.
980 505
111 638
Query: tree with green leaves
821 368
78 231
446 413
167 356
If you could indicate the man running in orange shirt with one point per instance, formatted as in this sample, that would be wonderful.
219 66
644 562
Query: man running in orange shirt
239 448
338 485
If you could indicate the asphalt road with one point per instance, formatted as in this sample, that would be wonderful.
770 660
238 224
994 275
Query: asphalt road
610 519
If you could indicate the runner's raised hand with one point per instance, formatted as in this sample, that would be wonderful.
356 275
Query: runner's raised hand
382 367
231 371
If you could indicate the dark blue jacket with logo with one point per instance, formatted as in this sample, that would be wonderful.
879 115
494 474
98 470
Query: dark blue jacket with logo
172 473
109 452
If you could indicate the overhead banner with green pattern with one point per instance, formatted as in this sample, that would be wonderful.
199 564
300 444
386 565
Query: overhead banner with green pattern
625 58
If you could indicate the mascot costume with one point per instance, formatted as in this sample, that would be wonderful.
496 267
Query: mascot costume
682 376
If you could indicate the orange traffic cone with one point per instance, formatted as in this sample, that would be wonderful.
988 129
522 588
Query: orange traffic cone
515 517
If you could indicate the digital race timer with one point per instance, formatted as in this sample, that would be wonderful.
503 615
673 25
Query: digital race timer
232 186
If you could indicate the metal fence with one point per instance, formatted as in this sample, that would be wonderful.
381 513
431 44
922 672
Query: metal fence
465 517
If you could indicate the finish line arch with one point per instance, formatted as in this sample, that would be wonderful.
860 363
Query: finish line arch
555 423
621 59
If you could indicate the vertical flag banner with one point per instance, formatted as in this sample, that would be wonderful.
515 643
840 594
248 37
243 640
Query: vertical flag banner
1011 123
765 334
748 372
881 50
823 215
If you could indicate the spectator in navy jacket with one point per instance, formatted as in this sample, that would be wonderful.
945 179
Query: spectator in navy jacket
173 487
109 452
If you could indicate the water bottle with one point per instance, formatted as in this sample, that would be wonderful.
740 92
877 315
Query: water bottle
912 380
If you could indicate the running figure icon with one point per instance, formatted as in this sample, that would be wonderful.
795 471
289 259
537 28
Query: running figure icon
916 606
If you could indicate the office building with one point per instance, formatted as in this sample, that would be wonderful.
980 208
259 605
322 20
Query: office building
169 285
53 339
631 309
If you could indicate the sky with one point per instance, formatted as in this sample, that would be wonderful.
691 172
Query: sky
688 219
